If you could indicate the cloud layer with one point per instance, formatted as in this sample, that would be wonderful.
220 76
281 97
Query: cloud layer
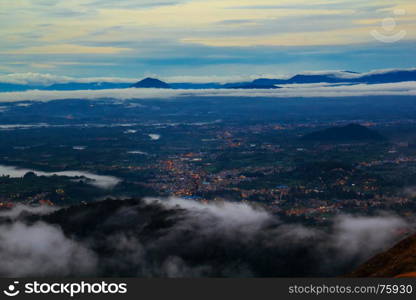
181 238
101 181
45 79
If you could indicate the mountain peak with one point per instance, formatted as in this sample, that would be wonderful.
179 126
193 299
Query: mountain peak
151 83
351 132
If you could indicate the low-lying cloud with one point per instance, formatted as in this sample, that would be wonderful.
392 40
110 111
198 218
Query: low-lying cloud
45 79
287 91
360 236
16 211
39 79
181 238
101 181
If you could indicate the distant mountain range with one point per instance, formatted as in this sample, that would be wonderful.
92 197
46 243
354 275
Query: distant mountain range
71 86
349 133
344 77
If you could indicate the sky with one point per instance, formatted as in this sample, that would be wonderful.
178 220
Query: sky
203 40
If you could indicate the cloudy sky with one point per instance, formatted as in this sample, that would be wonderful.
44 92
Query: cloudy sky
194 38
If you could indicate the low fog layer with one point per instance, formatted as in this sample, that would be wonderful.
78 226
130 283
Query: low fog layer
287 91
180 238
